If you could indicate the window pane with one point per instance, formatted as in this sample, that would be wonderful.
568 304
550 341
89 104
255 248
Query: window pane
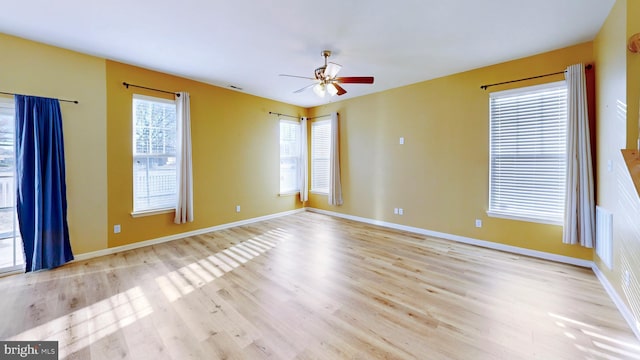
320 143
11 252
154 166
289 156
527 152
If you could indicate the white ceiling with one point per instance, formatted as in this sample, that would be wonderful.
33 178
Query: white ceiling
247 43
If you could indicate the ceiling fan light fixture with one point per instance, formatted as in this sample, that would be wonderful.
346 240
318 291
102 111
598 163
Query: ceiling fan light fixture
332 70
331 89
325 79
319 89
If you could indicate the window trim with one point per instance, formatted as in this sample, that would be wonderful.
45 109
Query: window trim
506 214
292 193
158 210
138 214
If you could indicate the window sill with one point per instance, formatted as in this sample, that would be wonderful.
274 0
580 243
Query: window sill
316 192
18 269
502 215
293 193
151 212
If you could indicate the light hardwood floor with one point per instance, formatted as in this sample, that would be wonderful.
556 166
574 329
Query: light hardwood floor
311 286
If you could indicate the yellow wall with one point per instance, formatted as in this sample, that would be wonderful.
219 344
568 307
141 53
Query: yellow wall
235 155
440 176
633 75
34 69
617 123
235 144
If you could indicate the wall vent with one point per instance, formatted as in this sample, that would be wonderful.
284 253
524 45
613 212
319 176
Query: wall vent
604 236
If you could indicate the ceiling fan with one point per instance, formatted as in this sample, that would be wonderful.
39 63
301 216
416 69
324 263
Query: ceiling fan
325 80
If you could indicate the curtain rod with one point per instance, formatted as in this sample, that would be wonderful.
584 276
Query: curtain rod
297 117
148 88
319 116
291 116
484 87
12 94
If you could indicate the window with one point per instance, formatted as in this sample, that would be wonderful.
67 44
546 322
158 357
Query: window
11 251
527 153
154 154
320 143
289 156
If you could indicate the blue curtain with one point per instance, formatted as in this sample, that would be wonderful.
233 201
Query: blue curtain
40 183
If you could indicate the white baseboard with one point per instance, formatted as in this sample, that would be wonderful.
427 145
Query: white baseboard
463 239
620 304
457 238
139 244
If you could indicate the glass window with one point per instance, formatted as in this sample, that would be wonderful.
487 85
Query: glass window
11 251
528 129
154 154
320 143
289 156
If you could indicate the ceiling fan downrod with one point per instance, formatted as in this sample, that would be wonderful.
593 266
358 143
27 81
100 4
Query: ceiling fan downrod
320 72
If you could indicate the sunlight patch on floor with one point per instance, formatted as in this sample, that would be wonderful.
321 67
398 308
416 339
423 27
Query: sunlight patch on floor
89 324
607 347
185 280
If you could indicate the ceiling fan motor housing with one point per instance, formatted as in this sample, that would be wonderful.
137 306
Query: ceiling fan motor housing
319 73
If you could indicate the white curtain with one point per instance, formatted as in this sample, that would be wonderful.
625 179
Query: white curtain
184 203
335 188
303 166
579 218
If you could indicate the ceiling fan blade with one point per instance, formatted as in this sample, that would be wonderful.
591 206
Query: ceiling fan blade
355 80
332 70
296 76
304 88
341 90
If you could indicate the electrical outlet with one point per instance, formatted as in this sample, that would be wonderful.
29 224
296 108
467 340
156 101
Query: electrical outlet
237 208
478 223
401 140
395 211
400 211
116 229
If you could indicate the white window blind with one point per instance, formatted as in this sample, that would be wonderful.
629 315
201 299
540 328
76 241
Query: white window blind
154 154
320 144
528 153
289 156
